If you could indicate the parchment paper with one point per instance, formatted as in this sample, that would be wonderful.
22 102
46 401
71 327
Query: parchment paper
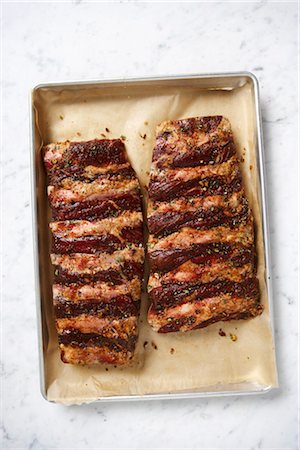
166 363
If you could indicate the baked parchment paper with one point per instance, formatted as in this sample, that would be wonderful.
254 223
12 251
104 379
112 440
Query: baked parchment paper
197 361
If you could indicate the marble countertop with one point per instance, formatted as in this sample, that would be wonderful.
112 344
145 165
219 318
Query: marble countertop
44 41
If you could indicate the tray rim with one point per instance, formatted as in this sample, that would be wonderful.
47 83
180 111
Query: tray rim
264 215
129 80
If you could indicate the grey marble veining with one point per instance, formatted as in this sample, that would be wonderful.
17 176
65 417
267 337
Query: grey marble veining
76 40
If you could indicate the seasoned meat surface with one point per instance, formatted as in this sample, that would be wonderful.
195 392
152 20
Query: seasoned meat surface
201 244
97 250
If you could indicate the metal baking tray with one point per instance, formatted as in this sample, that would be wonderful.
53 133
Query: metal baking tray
209 83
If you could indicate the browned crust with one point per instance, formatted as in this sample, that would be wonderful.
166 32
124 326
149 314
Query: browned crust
94 355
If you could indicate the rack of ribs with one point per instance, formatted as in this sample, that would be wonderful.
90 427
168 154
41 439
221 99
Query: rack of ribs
201 245
97 250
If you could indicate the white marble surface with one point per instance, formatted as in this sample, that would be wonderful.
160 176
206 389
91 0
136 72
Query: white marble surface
63 41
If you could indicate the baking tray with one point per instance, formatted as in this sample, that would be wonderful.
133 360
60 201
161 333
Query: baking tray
152 87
